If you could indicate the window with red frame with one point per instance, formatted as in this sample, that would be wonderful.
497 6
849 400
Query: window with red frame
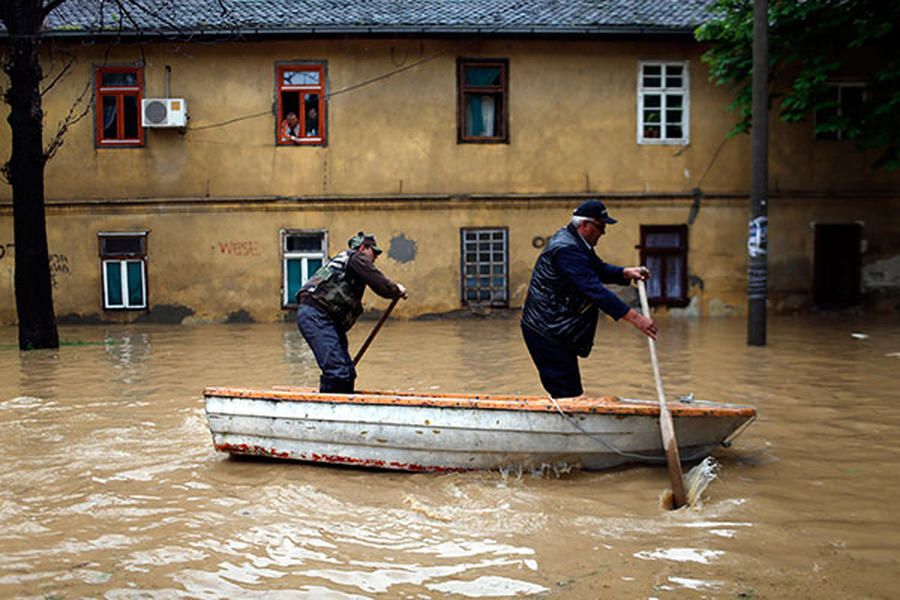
301 105
483 92
119 106
664 250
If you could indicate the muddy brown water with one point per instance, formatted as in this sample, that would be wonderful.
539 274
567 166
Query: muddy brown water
110 487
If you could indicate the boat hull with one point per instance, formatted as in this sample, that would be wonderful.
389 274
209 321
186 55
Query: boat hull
459 433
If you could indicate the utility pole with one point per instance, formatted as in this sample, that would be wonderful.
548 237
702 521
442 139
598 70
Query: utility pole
757 274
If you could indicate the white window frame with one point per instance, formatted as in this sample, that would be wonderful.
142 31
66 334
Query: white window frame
840 85
664 92
303 256
123 277
123 265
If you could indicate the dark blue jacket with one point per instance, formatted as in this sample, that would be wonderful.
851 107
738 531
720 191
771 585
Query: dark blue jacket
567 290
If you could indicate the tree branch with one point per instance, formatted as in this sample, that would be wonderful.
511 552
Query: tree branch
77 112
59 76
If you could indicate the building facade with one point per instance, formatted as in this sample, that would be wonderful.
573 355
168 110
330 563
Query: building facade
210 177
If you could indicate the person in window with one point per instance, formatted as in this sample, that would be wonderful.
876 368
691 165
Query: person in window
331 301
312 122
290 129
565 296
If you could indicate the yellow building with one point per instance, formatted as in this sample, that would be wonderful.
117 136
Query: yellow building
188 194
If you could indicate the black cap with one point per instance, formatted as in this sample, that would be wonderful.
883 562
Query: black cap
594 209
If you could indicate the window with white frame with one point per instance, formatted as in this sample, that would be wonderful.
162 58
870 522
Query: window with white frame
840 110
303 252
123 268
485 261
663 103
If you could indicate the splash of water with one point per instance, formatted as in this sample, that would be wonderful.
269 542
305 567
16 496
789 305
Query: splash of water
540 471
695 483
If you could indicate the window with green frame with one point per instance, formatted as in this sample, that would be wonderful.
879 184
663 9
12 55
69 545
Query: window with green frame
123 266
303 252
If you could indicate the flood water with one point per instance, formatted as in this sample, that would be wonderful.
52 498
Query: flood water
110 487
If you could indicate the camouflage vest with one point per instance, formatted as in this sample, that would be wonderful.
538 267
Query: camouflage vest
337 290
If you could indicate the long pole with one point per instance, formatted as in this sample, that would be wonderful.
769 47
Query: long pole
375 330
666 427
757 274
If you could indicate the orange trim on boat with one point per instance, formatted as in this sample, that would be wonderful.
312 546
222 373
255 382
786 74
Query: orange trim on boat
603 405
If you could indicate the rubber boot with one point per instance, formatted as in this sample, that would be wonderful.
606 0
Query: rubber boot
330 385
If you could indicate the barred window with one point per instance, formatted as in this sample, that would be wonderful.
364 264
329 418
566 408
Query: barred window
485 267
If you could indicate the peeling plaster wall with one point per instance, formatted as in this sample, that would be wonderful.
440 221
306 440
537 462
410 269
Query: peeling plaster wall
881 285
222 262
882 275
214 197
572 123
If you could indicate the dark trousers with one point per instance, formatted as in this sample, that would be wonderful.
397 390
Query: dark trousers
557 364
329 345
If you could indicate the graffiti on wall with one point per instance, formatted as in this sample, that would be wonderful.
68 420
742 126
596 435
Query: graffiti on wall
59 265
246 248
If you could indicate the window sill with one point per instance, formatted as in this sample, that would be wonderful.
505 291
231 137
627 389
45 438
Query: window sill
659 142
668 303
120 144
309 142
482 141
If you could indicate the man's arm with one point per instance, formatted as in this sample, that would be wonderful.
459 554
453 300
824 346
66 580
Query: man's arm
611 273
580 270
365 269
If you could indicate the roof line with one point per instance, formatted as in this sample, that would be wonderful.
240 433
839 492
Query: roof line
376 31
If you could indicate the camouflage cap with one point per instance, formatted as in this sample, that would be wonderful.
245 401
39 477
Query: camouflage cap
364 239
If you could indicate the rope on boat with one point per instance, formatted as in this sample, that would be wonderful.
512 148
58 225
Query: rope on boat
610 447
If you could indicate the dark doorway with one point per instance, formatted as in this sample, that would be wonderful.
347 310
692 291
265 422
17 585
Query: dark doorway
837 265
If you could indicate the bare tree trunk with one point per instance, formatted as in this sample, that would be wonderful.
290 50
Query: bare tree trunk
25 172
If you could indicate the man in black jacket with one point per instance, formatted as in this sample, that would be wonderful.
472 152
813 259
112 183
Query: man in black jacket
565 296
331 301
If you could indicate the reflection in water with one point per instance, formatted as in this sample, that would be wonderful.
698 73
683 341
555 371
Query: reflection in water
36 373
127 349
297 354
111 488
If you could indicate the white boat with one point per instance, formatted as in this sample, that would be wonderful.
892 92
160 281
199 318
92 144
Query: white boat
461 432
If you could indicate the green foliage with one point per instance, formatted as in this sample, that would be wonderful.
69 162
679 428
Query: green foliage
813 43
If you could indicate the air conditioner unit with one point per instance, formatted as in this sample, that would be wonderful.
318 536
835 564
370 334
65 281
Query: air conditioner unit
163 112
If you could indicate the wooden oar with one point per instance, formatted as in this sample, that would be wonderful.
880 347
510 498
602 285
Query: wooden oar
679 498
375 329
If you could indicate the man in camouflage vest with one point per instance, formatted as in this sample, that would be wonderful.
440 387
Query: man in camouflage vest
331 301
